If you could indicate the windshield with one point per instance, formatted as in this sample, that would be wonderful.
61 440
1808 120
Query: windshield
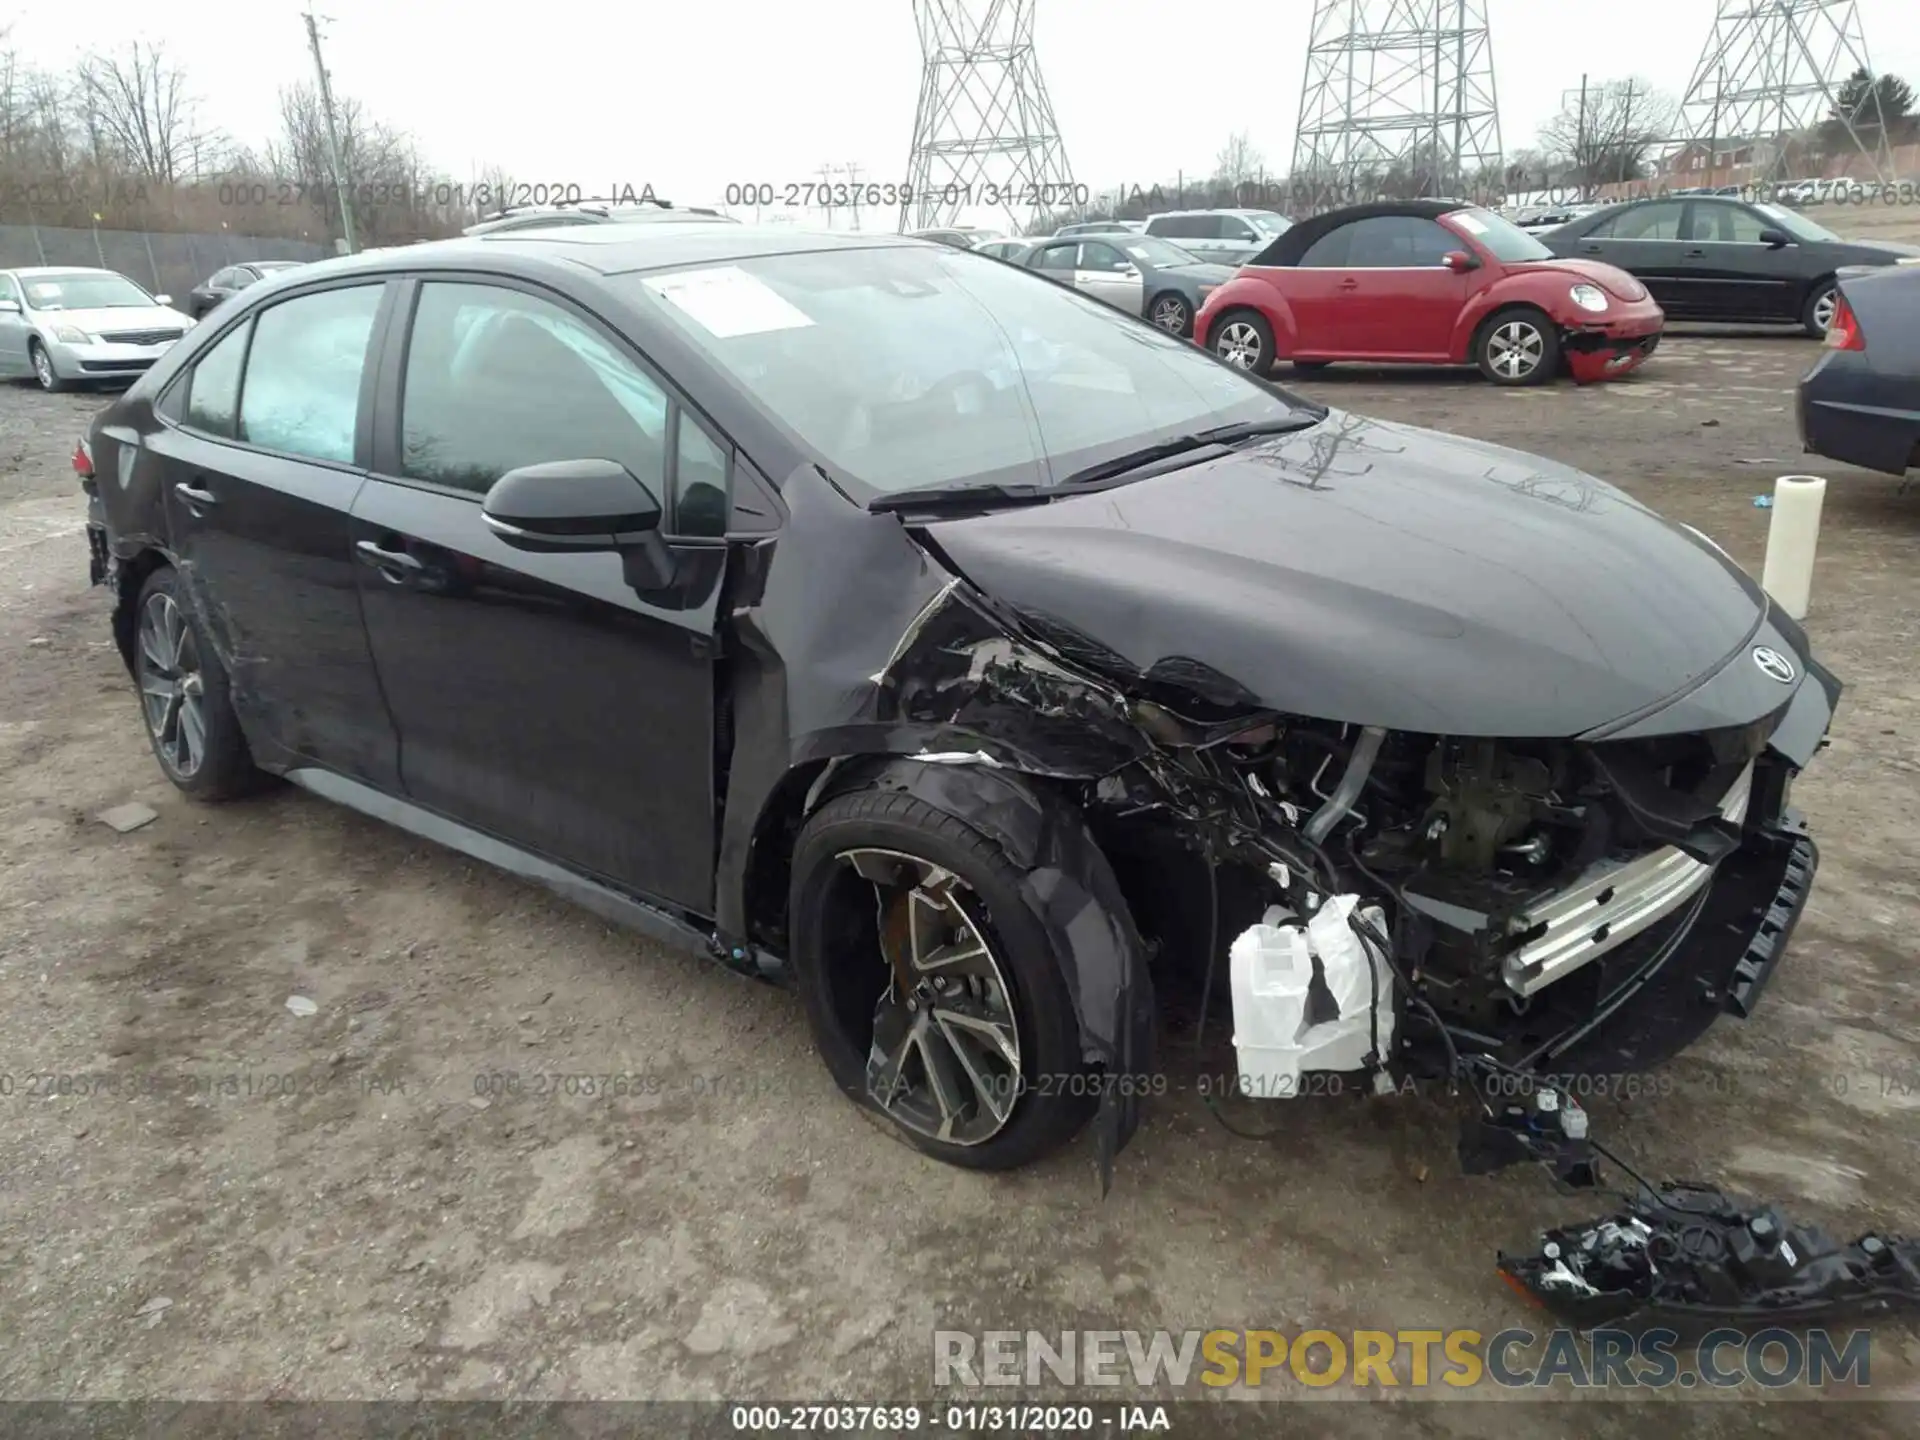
1501 239
84 290
1154 251
1796 225
910 368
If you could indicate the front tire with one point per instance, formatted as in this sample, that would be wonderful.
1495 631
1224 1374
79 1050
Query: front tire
1244 340
1171 313
51 380
1518 347
1822 305
186 698
931 987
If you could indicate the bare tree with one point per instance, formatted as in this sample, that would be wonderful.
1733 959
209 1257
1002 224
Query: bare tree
141 109
1607 136
1238 161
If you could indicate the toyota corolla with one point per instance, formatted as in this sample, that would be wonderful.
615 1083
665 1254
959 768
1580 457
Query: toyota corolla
980 661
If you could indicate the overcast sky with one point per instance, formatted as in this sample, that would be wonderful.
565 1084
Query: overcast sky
689 97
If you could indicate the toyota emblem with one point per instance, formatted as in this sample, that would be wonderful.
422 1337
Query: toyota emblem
1774 665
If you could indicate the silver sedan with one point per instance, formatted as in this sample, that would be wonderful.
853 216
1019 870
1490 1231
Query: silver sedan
60 325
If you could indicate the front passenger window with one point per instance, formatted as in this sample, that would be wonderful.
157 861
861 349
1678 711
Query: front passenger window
497 379
302 391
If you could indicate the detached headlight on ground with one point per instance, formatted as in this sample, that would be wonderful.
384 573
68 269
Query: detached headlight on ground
68 335
1590 297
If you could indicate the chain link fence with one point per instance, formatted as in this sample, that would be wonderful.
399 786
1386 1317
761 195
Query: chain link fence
167 264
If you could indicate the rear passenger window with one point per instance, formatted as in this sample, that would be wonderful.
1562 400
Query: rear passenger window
1329 252
302 391
213 385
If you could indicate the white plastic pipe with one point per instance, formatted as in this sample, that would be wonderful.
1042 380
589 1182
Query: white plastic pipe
1791 539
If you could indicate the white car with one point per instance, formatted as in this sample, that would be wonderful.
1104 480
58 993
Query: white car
62 324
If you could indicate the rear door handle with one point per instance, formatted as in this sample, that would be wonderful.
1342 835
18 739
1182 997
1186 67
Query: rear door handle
1349 284
195 498
1591 249
1696 254
396 565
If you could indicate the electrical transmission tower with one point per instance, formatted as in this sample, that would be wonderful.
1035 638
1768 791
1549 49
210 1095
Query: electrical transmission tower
1399 99
1772 72
984 136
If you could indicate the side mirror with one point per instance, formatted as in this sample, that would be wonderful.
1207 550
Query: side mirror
1775 238
571 505
1460 262
1128 272
583 507
163 299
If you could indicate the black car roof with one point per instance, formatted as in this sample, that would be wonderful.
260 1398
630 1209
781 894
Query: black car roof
612 249
1289 247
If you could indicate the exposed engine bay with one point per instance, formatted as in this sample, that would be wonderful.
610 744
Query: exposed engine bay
1519 885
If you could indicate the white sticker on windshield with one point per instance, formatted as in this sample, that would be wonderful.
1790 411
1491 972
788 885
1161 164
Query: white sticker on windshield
728 301
1472 224
44 292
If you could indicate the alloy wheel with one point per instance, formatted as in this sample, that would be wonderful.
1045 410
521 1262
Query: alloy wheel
43 368
172 689
1239 345
1516 349
1825 308
945 1056
1170 314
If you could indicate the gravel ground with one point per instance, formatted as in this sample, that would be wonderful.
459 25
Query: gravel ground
333 1211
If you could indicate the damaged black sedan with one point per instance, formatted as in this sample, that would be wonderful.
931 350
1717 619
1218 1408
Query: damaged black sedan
978 659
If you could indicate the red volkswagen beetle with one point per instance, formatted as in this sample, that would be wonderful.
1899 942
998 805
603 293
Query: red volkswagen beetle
1433 282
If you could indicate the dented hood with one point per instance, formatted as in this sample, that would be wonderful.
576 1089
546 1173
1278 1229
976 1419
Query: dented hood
1379 574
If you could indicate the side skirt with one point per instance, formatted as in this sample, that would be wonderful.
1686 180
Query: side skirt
603 900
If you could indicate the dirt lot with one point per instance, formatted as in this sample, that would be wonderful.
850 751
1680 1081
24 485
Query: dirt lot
380 1232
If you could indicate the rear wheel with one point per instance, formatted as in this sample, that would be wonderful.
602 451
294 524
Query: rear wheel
1821 308
1518 347
931 988
185 697
1244 340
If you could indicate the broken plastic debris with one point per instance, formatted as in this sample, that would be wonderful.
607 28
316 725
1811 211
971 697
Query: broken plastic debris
1693 1258
958 757
130 816
301 1005
1273 969
1763 502
154 1311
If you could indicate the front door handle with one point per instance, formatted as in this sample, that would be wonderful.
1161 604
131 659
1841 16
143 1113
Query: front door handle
1349 284
1696 254
194 498
1591 249
395 565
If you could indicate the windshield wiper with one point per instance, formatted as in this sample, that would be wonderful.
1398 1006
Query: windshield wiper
960 497
1185 448
1134 465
